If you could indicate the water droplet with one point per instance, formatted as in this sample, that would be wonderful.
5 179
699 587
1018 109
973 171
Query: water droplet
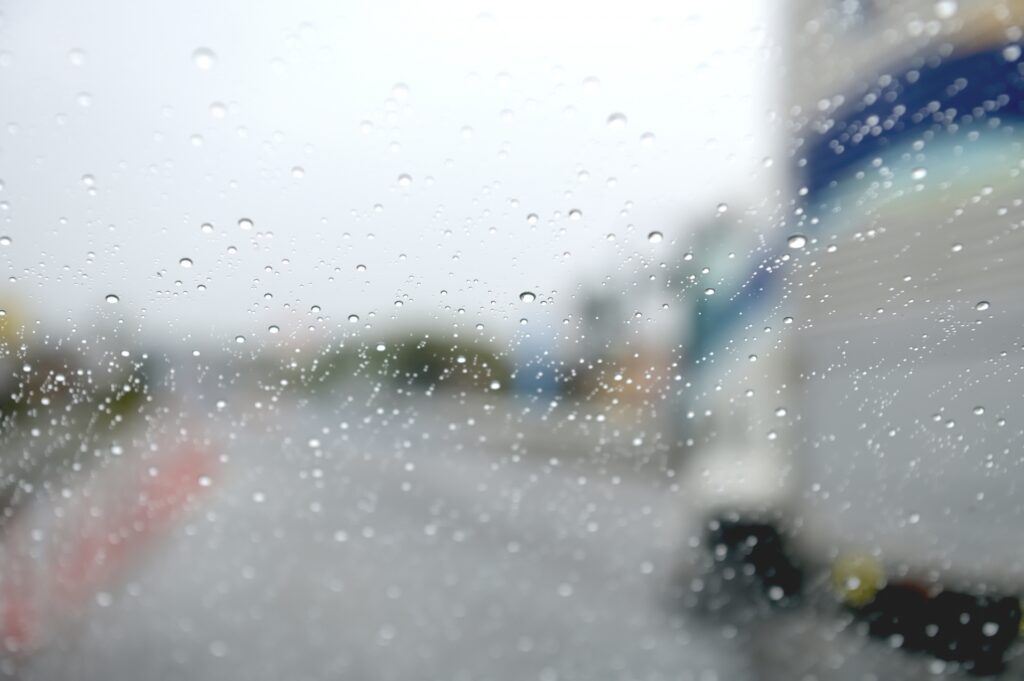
206 228
1011 52
944 9
722 208
956 248
655 237
532 219
111 298
797 241
360 268
298 172
617 121
575 214
982 305
979 410
780 411
273 328
5 241
218 110
204 58
404 180
185 262
919 173
527 296
647 139
353 318
381 347
88 180
709 291
245 223
239 339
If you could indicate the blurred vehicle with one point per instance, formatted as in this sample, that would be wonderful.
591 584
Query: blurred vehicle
857 381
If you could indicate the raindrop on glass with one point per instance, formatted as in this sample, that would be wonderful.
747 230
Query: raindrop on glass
617 121
204 58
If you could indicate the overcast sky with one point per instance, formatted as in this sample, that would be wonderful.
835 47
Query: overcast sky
120 140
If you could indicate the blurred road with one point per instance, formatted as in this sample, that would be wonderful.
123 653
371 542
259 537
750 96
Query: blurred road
400 546
420 541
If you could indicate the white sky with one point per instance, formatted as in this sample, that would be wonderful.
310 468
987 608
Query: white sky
297 79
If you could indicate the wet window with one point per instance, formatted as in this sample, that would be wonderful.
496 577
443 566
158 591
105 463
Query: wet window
538 340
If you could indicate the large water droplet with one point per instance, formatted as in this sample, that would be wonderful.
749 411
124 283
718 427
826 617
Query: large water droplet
982 305
404 180
206 228
353 318
112 299
527 296
655 237
273 328
204 58
575 214
919 173
5 241
185 262
617 121
945 9
796 241
245 223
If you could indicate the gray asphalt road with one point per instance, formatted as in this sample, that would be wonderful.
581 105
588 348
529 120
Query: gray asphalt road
422 540
404 543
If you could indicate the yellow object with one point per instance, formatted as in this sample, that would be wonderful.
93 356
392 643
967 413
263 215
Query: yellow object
857 577
11 322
